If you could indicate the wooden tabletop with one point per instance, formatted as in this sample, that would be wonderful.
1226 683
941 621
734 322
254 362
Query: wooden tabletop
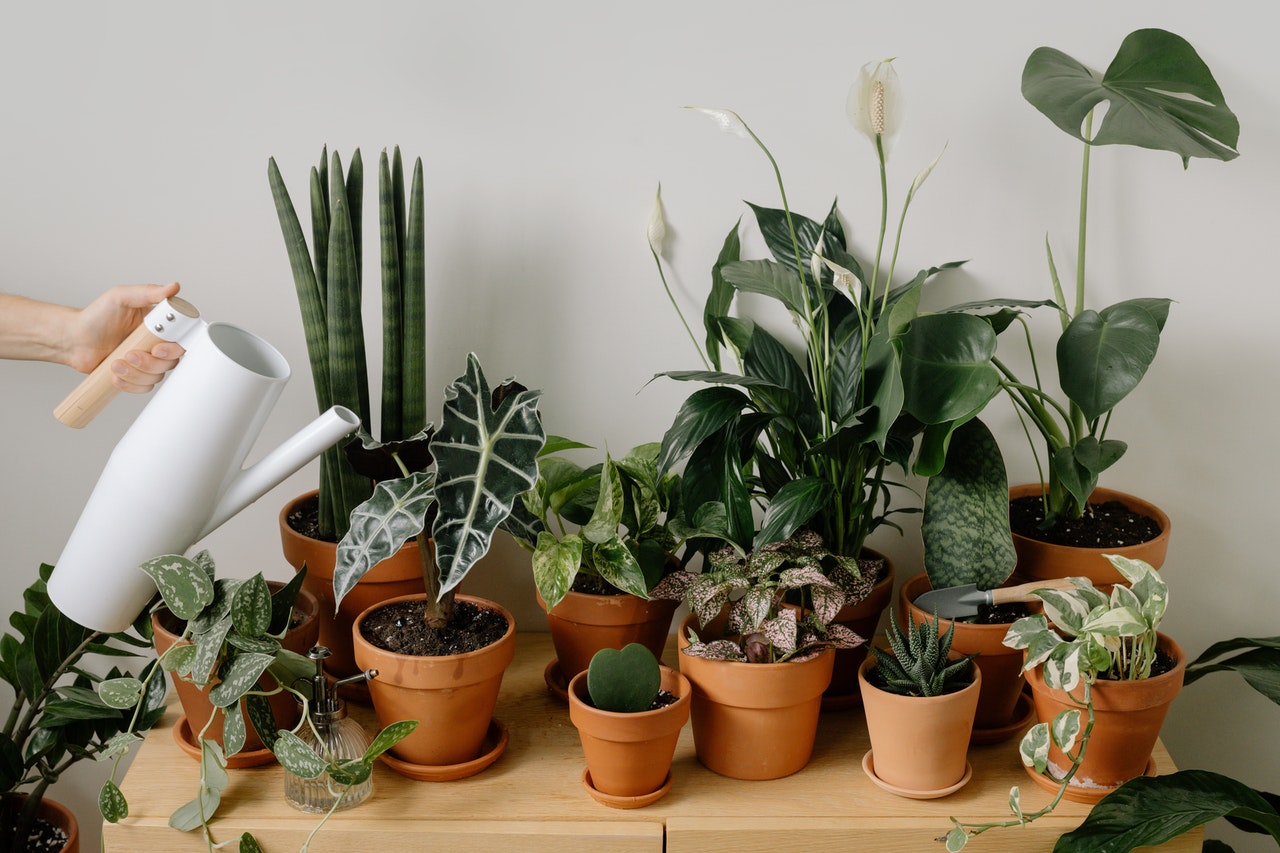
532 799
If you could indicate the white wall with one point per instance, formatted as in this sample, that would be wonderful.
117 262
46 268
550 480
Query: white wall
136 136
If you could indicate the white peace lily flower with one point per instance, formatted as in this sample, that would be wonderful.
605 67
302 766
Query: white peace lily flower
726 120
844 280
875 103
657 224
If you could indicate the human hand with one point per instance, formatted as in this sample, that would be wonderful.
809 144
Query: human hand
104 323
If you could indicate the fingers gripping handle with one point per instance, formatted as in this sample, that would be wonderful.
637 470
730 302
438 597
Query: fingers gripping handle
169 320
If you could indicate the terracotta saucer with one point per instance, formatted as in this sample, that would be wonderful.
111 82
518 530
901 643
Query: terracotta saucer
186 740
494 744
842 701
616 802
1078 794
556 682
868 767
1024 713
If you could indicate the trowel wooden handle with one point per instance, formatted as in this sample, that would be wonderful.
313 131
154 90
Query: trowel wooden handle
1024 592
92 395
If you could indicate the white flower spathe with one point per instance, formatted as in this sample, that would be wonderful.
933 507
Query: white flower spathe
726 120
657 231
875 104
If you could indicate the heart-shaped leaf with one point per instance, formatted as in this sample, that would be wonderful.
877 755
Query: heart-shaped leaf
624 680
184 586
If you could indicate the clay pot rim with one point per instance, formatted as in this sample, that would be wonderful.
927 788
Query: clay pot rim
1100 495
484 603
974 685
587 601
673 676
1105 689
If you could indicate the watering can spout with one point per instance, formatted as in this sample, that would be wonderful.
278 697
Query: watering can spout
305 445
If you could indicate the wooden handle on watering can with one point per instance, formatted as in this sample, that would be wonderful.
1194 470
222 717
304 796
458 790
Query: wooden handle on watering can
1026 591
96 390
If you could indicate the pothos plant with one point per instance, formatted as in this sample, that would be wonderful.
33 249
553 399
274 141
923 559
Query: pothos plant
64 709
1160 95
467 475
617 520
1098 636
230 634
761 628
814 441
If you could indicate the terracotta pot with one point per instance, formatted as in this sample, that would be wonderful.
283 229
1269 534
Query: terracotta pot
397 576
629 755
195 700
754 720
1042 560
1128 717
52 812
919 743
583 624
451 696
863 619
1001 666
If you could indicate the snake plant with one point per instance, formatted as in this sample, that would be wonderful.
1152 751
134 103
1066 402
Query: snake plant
328 279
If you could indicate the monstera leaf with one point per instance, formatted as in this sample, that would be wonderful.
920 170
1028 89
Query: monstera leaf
486 457
1159 92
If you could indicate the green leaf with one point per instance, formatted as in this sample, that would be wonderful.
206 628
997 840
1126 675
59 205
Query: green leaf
702 414
956 839
118 744
239 678
1065 728
720 297
794 504
616 564
1103 355
768 278
233 729
625 680
197 812
209 651
394 514
282 601
555 564
610 500
351 771
183 585
179 659
1160 95
249 844
261 718
389 737
947 373
1149 811
1034 748
111 803
297 757
251 607
120 692
965 527
486 458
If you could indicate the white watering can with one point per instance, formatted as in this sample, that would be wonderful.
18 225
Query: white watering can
177 474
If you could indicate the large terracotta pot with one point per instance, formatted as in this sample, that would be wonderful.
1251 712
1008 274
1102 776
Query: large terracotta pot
919 743
1001 666
863 619
1128 717
452 696
51 812
754 720
195 700
583 624
1042 560
396 576
629 755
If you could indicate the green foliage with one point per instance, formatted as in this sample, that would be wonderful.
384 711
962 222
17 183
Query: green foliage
625 680
329 287
63 712
630 521
917 664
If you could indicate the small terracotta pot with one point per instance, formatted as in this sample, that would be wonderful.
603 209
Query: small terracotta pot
863 619
1128 717
583 624
920 743
195 700
393 577
629 755
1001 666
452 696
754 720
1043 560
51 812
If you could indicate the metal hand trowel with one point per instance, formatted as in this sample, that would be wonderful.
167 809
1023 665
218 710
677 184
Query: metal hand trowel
956 602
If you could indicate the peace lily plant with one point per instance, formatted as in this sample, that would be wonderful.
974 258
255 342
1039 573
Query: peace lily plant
813 441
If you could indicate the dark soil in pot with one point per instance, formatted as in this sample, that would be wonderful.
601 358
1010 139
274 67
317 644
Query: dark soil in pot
1104 525
305 518
998 614
401 628
662 700
45 838
593 585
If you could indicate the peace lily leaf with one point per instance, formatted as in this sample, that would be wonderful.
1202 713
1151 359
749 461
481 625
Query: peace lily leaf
120 692
297 757
1259 667
623 680
251 606
487 457
112 803
558 444
793 505
389 737
240 677
1146 812
183 585
1102 356
380 526
703 413
555 565
768 278
1160 95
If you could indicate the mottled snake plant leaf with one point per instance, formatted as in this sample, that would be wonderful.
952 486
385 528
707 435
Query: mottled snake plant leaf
487 457
395 514
966 514
1160 95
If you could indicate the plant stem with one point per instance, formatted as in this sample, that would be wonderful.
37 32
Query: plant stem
679 313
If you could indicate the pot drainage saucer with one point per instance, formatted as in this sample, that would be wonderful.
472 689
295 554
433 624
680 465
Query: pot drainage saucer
618 802
868 767
187 741
1079 793
494 744
1024 713
556 682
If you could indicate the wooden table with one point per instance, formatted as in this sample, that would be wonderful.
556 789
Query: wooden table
532 799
